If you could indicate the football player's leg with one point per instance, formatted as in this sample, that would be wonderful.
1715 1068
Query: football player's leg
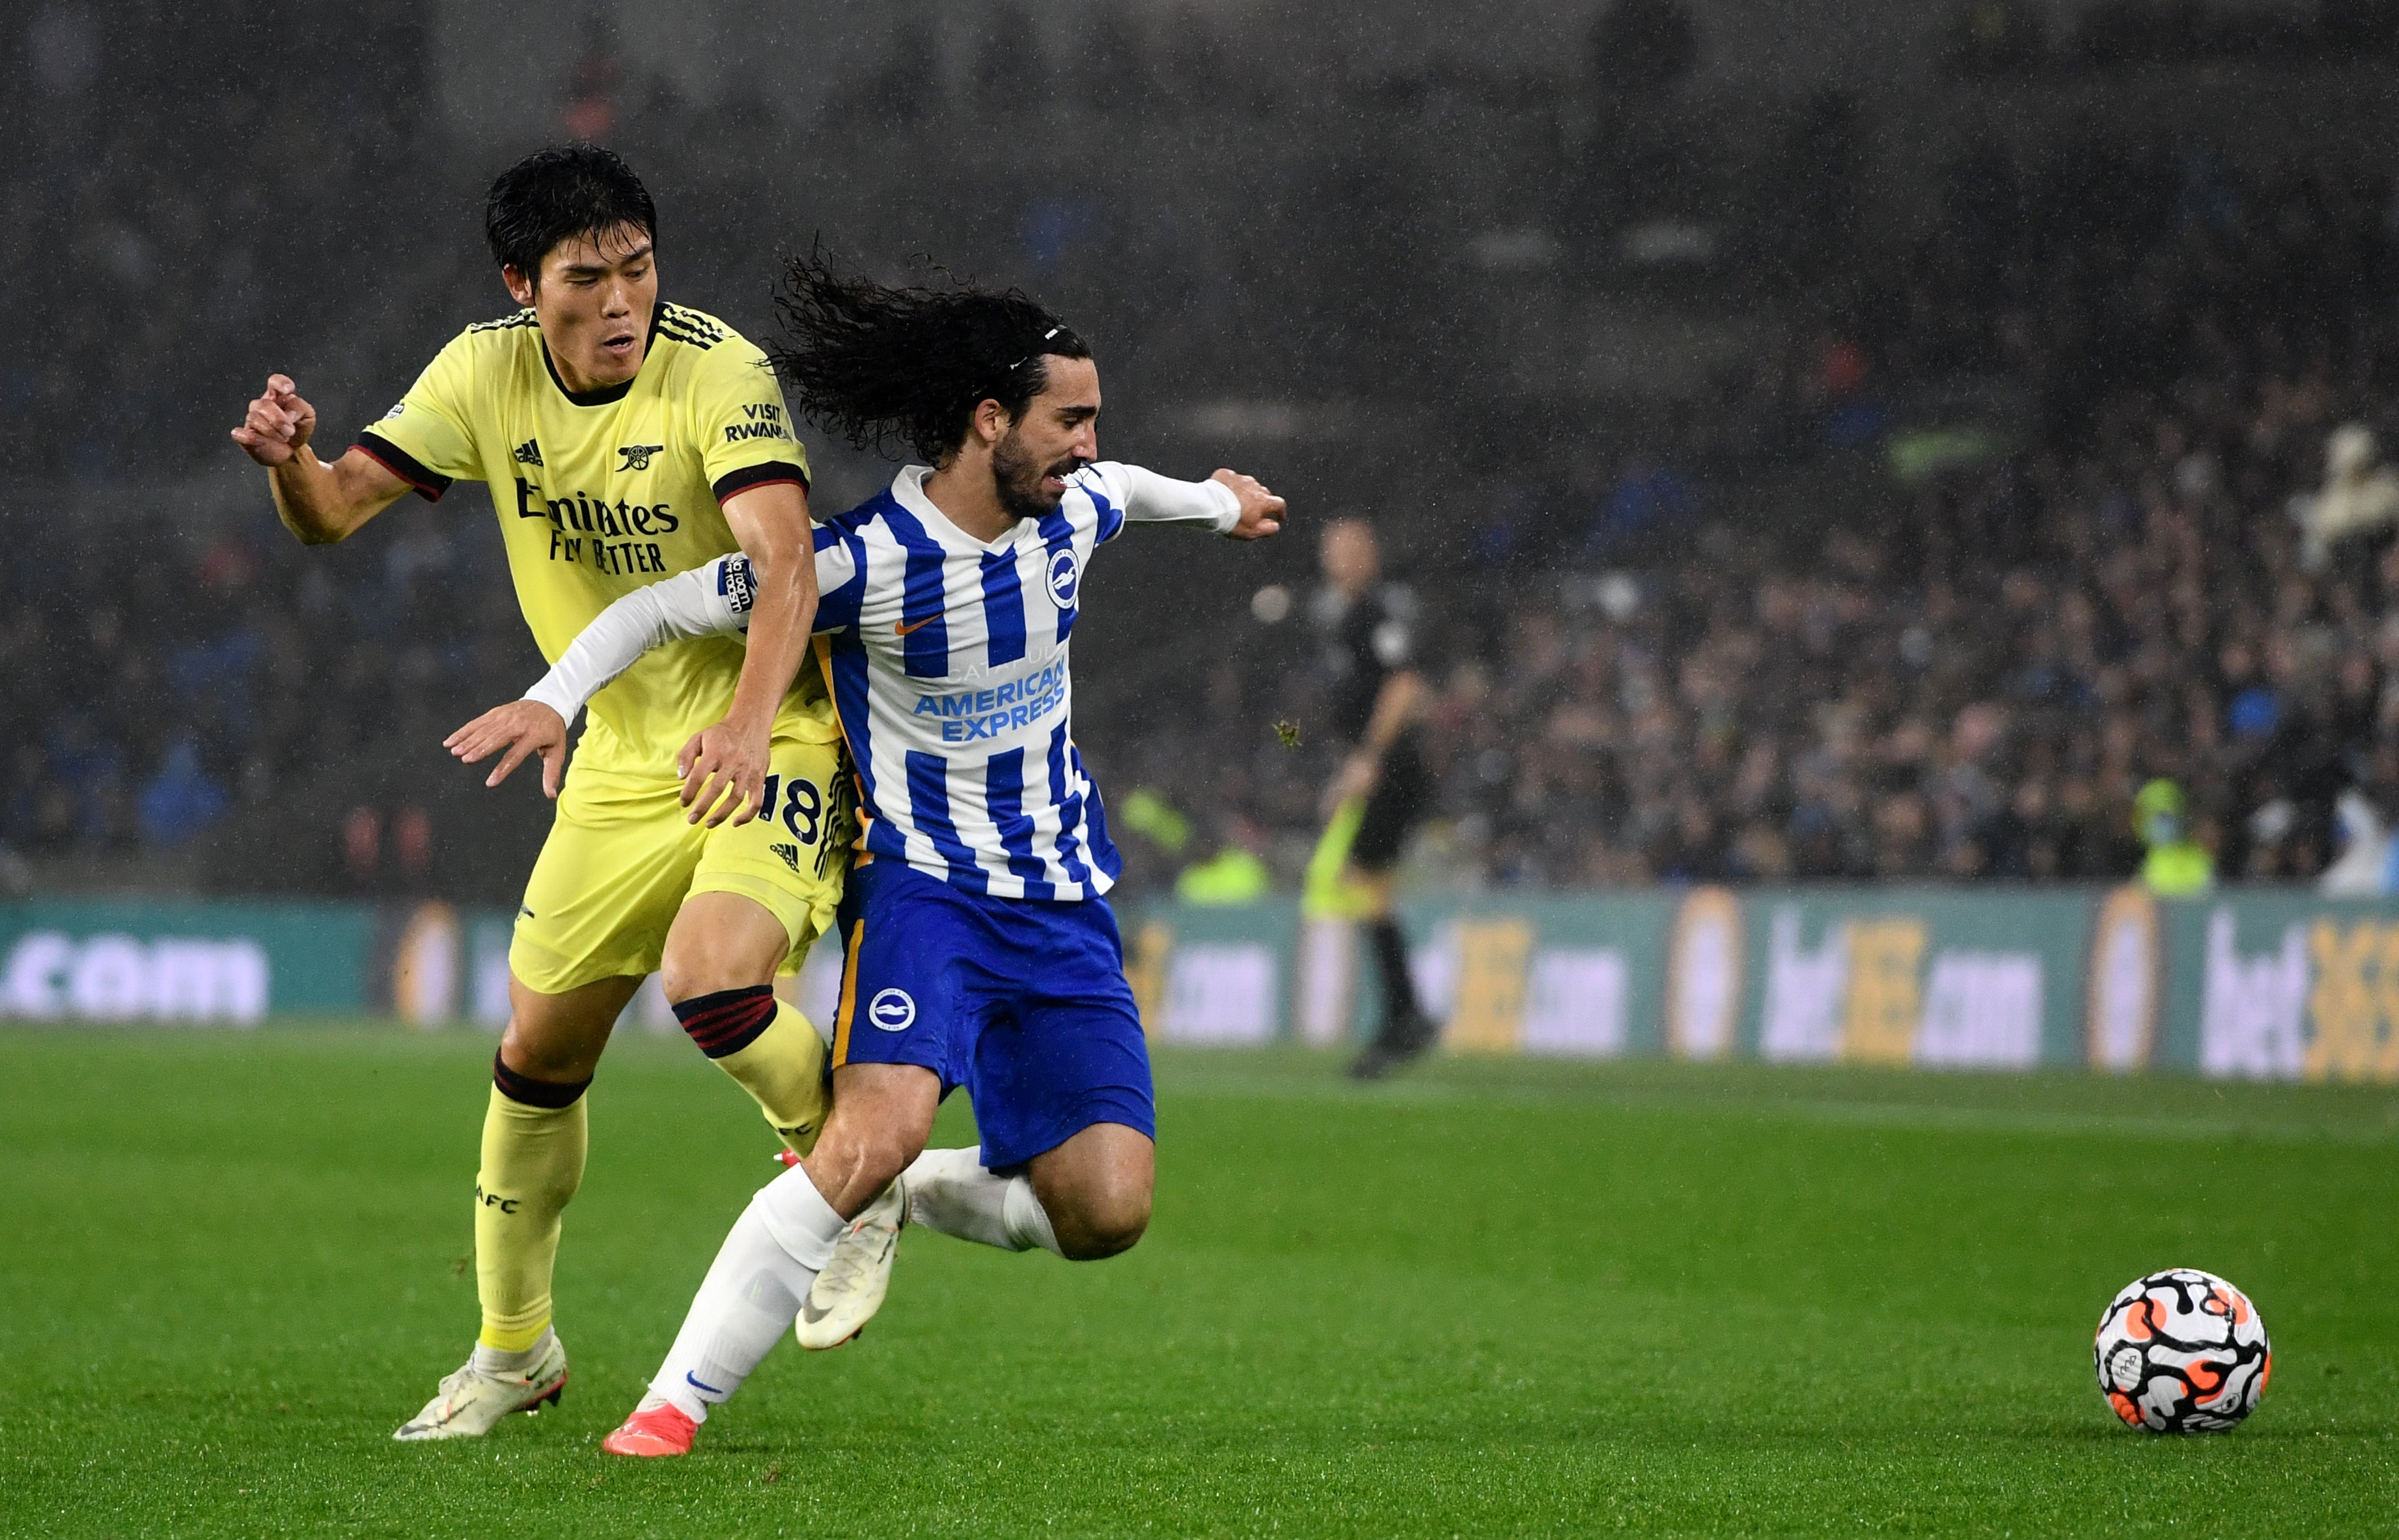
1397 803
952 1192
719 976
761 894
595 914
534 1136
536 1130
918 989
1085 1199
949 1192
1095 1189
753 1290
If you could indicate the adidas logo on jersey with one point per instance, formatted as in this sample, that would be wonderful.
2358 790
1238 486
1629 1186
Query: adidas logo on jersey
790 854
689 327
529 453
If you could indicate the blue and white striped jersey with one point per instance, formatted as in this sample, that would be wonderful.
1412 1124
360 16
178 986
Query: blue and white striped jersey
947 660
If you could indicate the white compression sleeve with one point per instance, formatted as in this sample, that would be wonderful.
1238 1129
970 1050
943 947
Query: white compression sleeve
951 1193
751 1296
1154 499
704 601
748 1301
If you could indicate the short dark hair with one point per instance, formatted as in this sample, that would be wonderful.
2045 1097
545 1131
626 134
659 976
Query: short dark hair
557 193
886 367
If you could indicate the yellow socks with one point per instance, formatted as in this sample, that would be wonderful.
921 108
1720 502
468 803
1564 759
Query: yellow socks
534 1135
771 1051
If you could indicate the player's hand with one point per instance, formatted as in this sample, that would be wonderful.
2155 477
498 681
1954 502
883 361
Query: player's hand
724 771
524 728
278 423
1261 510
1355 779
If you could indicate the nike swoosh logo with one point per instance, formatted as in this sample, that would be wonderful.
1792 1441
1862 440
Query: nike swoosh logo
808 1313
699 1384
907 627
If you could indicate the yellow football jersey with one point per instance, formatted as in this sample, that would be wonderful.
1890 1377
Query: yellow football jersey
602 491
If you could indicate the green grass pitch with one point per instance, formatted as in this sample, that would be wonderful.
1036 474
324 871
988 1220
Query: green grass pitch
1494 1298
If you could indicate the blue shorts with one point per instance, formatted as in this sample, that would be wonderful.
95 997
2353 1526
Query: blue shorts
1021 1001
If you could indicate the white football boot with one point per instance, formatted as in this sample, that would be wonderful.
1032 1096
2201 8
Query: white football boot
850 1288
473 1401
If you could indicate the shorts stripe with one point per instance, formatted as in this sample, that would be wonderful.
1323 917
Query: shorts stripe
848 1006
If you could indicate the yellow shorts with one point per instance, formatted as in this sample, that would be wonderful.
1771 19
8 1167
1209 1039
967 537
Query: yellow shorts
623 856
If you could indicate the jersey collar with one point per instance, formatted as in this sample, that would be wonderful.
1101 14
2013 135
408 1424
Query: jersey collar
606 395
908 491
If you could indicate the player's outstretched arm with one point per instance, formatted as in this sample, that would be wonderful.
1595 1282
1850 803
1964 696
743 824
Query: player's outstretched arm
318 502
725 766
705 601
1233 504
1396 704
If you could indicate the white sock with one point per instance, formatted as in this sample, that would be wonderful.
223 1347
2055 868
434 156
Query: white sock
499 1361
949 1192
751 1296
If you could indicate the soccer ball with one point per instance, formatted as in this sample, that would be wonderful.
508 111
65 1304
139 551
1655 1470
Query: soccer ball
2182 1351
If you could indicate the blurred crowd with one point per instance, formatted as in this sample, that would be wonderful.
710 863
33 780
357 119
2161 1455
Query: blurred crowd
215 681
1964 660
1978 534
1999 37
180 195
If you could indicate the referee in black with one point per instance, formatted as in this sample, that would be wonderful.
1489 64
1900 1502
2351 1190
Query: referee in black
1367 628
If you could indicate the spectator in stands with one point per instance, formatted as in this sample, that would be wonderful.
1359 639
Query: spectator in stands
2176 866
181 800
1646 495
2359 497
